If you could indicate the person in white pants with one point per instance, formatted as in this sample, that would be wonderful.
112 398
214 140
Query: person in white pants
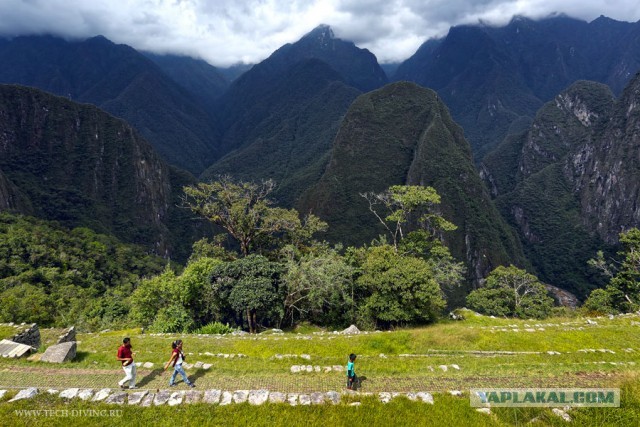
125 355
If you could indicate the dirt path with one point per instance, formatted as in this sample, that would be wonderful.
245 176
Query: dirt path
58 378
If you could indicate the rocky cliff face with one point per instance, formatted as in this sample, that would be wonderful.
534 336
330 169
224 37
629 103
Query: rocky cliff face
577 181
605 169
79 165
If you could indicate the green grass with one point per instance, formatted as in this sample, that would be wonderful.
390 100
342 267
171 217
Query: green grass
488 351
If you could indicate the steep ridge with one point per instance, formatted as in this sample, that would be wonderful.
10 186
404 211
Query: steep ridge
80 166
495 79
403 134
292 144
577 183
121 81
202 80
246 103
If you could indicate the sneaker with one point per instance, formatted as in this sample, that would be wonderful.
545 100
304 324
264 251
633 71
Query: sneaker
133 388
192 385
171 385
122 386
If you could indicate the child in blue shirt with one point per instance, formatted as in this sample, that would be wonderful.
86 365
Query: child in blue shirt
352 379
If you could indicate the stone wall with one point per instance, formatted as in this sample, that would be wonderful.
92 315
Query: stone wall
68 335
29 336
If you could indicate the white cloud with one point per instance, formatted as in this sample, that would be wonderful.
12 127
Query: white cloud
224 32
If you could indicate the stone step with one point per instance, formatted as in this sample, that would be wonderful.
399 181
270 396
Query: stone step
145 398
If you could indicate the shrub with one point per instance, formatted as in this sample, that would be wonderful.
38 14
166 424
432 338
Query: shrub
215 328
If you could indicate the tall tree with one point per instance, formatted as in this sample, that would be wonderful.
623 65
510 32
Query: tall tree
397 206
244 210
510 291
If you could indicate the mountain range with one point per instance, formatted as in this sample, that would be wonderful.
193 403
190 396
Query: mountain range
528 132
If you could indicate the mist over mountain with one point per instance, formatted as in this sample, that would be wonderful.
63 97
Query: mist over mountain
494 79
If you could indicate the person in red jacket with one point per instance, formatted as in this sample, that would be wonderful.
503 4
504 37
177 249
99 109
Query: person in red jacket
125 355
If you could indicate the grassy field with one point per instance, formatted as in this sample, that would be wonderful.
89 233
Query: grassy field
478 352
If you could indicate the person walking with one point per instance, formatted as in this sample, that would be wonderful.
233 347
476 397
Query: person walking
177 358
125 356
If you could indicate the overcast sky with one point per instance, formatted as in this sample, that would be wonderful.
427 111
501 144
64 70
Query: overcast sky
224 32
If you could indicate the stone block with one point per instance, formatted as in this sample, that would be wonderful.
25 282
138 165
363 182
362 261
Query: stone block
60 353
258 397
136 397
117 398
69 393
68 336
212 396
101 395
28 393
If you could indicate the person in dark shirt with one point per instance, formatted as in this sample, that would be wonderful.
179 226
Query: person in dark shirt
176 360
125 355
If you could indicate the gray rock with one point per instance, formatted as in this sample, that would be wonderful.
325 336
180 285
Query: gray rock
206 366
456 367
60 353
304 399
148 400
338 368
317 369
292 398
176 398
258 397
351 330
69 393
240 396
443 367
327 369
53 391
384 397
198 365
305 356
101 395
2 393
212 396
355 404
227 398
309 368
136 397
277 397
317 398
162 397
486 411
117 398
412 396
28 393
456 393
148 365
425 397
295 369
15 350
562 414
192 396
333 397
